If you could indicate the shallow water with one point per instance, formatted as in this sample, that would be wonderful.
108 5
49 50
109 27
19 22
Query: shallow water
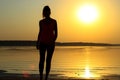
70 61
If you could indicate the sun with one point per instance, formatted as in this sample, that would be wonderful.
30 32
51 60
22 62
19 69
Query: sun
87 13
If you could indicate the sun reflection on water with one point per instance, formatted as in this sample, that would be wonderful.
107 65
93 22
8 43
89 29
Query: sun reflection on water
88 74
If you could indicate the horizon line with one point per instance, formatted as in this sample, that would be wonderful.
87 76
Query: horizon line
63 41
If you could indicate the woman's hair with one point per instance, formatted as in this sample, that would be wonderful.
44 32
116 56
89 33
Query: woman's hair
46 11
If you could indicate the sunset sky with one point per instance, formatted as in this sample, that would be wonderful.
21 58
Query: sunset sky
19 20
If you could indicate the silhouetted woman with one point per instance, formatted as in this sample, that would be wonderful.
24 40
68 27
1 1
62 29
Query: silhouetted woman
46 41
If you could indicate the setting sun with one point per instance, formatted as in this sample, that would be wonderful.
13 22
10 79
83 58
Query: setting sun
87 13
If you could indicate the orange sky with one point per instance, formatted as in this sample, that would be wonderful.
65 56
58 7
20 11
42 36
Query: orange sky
19 20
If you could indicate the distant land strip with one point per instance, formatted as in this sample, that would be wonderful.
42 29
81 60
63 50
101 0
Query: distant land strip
33 43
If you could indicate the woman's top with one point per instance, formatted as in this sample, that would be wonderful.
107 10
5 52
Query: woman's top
47 34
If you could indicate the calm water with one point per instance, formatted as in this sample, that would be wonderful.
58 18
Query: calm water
70 61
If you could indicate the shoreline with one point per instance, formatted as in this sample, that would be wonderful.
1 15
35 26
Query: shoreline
25 76
36 77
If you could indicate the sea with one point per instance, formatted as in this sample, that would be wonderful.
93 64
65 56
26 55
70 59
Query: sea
68 61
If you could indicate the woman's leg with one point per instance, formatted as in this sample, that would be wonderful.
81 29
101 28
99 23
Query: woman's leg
41 62
50 50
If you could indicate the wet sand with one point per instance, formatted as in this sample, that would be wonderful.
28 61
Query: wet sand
8 76
12 76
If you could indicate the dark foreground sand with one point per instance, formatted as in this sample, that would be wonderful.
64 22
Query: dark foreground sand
11 76
36 77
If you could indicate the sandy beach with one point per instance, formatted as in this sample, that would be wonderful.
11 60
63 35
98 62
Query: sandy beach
12 76
37 78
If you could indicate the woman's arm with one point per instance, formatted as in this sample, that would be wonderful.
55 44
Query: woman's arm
38 39
56 31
